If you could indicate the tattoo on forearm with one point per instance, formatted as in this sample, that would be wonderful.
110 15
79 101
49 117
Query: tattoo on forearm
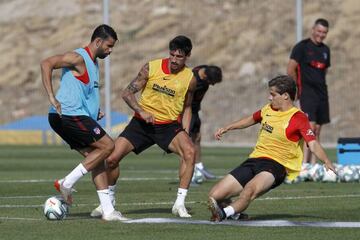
135 86
132 87
139 82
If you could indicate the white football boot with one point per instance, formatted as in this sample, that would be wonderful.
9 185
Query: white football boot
114 216
180 210
65 192
97 212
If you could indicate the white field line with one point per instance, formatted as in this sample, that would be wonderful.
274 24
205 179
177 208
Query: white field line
254 223
88 180
22 219
169 203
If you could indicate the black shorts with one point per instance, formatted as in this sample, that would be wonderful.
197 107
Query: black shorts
195 124
77 131
315 107
142 135
252 166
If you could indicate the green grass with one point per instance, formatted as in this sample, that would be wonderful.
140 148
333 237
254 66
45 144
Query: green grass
20 201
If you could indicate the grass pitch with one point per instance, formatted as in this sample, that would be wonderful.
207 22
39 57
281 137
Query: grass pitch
147 189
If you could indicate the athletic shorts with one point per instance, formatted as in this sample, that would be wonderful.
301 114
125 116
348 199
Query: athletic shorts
252 166
195 124
142 135
316 108
77 131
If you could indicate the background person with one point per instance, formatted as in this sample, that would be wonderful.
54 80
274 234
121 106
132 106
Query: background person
205 75
308 64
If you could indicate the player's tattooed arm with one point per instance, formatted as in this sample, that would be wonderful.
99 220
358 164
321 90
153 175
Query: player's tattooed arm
135 86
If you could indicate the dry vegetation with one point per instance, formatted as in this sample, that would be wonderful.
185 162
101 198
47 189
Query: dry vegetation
251 40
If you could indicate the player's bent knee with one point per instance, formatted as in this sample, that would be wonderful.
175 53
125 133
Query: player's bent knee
112 163
216 194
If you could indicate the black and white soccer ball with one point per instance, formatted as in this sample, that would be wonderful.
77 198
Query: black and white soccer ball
305 172
316 172
330 176
348 173
55 208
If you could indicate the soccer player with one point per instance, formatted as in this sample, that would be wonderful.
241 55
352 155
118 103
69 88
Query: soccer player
205 75
166 86
308 64
277 154
75 109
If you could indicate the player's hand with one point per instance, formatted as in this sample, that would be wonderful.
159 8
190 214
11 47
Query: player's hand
218 134
100 115
330 166
56 105
148 117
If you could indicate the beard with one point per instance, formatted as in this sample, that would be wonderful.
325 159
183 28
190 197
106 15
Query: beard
102 56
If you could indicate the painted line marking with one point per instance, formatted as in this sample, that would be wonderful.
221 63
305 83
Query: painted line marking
251 223
15 218
89 180
168 203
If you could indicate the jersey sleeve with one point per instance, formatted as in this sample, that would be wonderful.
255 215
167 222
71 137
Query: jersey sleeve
257 116
297 52
301 122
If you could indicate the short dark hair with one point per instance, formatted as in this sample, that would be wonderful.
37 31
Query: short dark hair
181 43
213 74
284 84
322 22
104 31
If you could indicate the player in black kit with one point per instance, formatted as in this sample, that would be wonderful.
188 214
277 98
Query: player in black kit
308 64
205 75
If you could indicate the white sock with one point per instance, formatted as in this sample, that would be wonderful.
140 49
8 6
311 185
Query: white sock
229 211
112 190
74 176
199 165
181 195
105 201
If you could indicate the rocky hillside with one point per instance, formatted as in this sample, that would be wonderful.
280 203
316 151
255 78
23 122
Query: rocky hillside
251 40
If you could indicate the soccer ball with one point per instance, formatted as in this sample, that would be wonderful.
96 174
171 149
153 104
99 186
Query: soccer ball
348 173
304 173
330 176
317 172
296 180
55 208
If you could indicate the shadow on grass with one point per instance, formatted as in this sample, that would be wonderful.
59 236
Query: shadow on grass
149 210
152 210
77 216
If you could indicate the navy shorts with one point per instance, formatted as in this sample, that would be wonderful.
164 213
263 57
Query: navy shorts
252 166
142 135
77 131
315 107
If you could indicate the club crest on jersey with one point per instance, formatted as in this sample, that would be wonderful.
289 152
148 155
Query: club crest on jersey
267 127
97 130
309 132
325 55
